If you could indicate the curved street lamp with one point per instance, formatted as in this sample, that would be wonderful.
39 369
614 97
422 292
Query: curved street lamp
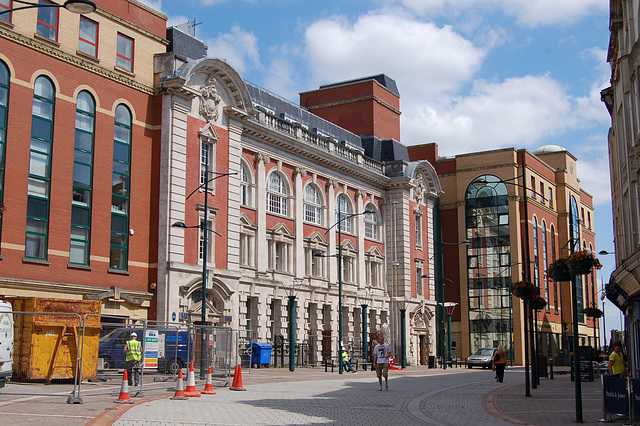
75 6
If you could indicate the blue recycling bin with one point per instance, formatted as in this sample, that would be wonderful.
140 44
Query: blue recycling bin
261 354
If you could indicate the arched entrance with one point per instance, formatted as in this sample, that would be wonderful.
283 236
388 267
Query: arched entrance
420 327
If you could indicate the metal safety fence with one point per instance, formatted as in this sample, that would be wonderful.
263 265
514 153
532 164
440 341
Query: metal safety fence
70 350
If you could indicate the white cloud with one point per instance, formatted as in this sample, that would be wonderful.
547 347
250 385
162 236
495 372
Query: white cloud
427 60
593 169
527 12
239 48
516 112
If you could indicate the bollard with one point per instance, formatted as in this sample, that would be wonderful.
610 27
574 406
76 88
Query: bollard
551 369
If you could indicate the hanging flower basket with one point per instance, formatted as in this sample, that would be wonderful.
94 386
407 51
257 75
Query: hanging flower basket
524 290
593 312
537 303
559 270
582 262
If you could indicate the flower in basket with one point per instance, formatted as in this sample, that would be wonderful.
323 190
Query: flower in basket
560 265
524 289
587 257
538 302
593 312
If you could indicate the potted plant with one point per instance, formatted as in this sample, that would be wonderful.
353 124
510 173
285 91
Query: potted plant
582 262
524 290
593 312
538 303
559 270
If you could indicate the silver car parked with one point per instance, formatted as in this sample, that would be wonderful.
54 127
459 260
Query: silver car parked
483 357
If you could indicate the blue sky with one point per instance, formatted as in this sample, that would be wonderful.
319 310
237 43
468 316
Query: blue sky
472 74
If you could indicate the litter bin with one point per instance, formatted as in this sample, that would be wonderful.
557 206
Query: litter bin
261 354
432 361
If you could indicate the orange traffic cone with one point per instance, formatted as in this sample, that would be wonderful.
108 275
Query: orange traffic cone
208 387
237 380
124 391
191 383
179 388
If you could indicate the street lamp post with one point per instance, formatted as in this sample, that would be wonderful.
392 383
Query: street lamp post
341 218
440 307
449 307
75 6
364 296
205 239
292 290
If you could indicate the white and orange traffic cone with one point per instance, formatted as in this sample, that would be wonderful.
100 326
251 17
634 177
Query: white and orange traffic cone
237 380
124 391
179 394
208 386
191 383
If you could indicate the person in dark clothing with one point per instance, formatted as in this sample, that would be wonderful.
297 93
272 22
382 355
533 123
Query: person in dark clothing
499 363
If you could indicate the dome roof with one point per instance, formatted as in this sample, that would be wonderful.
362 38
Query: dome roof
549 148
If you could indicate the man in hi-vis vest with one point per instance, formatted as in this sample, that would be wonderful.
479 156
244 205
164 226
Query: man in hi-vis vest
133 349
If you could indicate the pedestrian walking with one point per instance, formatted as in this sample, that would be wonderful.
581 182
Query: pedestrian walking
616 361
133 351
381 354
499 363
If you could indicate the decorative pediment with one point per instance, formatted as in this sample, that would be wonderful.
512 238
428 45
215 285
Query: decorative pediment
348 245
208 133
316 237
245 221
281 229
374 251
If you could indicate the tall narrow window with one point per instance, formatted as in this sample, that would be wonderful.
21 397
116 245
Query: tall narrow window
124 55
4 102
418 218
536 260
533 186
277 196
550 197
553 259
343 215
574 233
119 249
371 223
545 262
206 153
206 232
88 40
419 281
47 21
312 205
40 169
245 186
82 180
5 5
541 195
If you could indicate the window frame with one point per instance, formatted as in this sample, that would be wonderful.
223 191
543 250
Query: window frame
4 110
121 55
39 21
124 196
312 208
81 40
6 17
277 198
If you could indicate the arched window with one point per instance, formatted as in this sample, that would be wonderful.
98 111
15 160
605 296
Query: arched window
119 251
82 180
553 259
245 186
489 263
277 199
312 205
42 115
371 223
545 262
4 102
536 259
343 215
574 232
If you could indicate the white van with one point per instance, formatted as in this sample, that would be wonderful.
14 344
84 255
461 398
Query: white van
6 340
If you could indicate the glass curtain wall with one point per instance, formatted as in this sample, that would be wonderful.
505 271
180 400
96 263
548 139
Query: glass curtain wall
489 264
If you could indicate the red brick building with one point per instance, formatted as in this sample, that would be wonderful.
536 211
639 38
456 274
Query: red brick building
79 151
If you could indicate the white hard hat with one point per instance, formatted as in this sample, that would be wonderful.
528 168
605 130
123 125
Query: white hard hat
133 334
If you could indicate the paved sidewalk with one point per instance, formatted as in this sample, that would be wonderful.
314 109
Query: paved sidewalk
276 396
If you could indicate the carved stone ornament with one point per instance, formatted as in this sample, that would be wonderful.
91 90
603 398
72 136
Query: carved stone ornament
209 100
419 188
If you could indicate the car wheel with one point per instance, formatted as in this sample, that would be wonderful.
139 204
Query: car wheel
108 363
174 366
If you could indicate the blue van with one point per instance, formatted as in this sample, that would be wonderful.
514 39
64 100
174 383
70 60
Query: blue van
176 356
